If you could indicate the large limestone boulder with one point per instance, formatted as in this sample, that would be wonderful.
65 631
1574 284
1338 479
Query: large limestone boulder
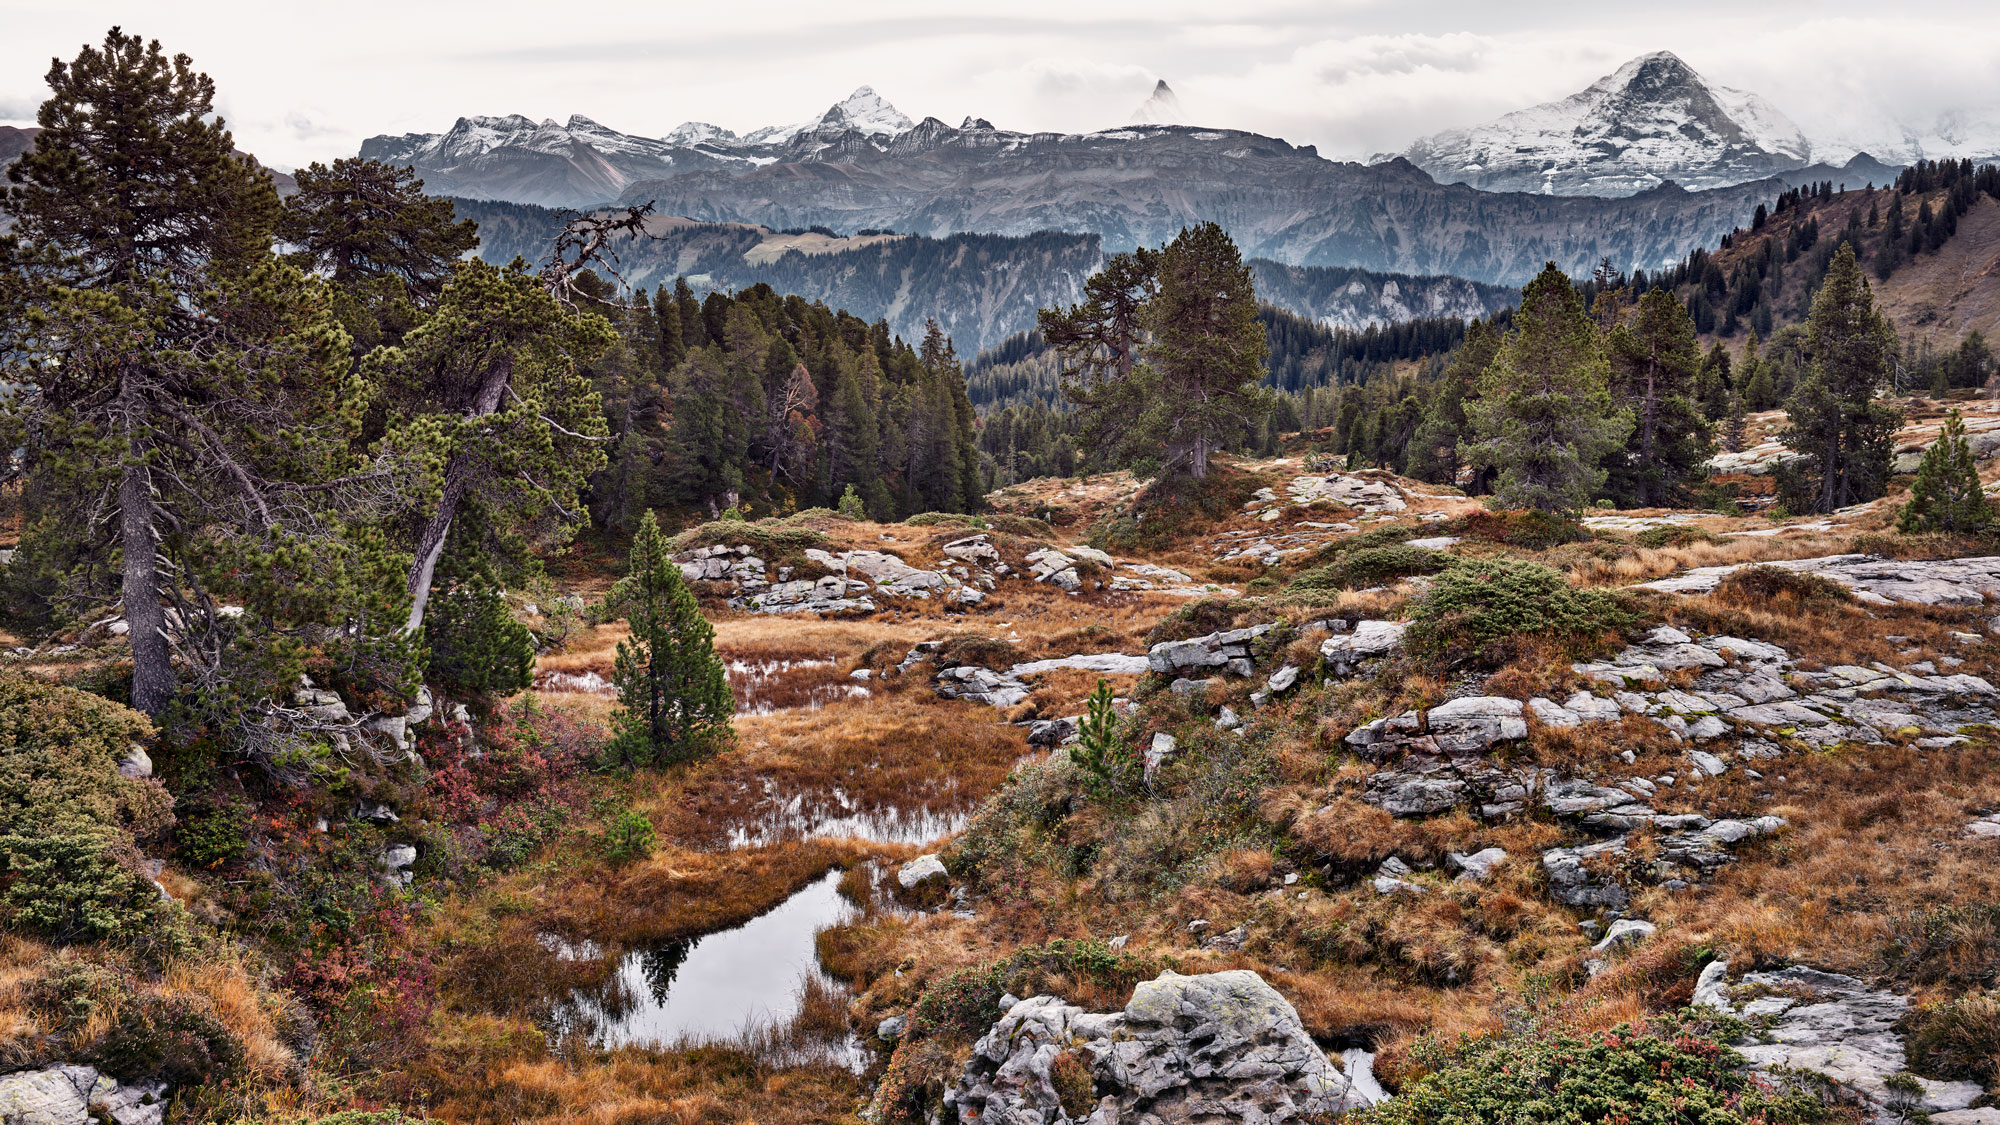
1228 650
1216 1049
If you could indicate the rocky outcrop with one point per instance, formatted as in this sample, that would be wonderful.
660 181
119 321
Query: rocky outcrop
1217 1048
1229 651
1878 581
1363 494
77 1095
1458 728
1836 1026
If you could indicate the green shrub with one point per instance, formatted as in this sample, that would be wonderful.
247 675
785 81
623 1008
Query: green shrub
1101 752
211 835
940 519
851 506
476 648
68 822
1668 1073
1374 566
627 837
1480 610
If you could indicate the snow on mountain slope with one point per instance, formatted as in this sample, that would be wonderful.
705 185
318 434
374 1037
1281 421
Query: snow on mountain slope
864 111
1650 121
1163 108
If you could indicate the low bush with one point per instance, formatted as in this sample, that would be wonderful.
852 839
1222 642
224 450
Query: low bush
1957 945
1482 610
985 652
1530 530
774 543
1028 527
68 821
1673 535
1374 566
1667 1073
941 519
1958 1039
1171 507
1759 587
1203 616
628 836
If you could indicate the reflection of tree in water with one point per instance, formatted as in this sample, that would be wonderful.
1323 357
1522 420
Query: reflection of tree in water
660 965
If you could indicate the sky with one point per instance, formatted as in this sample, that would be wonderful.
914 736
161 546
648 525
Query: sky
302 82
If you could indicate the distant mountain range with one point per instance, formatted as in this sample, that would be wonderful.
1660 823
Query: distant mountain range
981 288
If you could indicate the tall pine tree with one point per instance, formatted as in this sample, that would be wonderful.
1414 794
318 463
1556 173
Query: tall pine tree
1839 425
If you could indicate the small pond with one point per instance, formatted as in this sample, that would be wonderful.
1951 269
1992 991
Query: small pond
746 983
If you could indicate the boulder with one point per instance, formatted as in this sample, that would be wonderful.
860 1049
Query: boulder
68 1095
1479 866
1217 1049
396 862
136 763
374 813
916 871
1228 650
1472 724
1370 639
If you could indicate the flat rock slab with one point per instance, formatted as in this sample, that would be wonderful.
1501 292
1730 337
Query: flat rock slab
1956 582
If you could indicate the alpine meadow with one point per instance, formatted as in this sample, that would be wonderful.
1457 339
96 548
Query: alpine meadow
1362 565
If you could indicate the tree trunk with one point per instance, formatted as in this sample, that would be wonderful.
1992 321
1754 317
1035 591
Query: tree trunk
1198 462
145 616
457 475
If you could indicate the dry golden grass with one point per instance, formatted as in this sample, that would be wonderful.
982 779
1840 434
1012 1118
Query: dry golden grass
1643 564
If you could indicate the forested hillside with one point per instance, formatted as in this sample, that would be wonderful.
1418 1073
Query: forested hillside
980 288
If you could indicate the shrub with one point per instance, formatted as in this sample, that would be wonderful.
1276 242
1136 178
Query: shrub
774 543
1530 530
1480 610
984 652
1100 752
213 834
68 820
168 1040
940 519
1958 1039
1026 526
1075 1089
1199 618
1373 566
851 506
1666 1073
1672 535
1759 586
628 837
1172 507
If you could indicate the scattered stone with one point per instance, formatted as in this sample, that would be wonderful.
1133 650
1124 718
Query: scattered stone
374 813
1157 752
396 862
136 763
1281 681
891 1029
1625 931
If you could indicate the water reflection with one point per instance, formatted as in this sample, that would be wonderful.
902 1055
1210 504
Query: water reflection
759 985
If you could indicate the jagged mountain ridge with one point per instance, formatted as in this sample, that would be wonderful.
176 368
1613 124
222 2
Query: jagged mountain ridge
1651 121
1134 185
981 288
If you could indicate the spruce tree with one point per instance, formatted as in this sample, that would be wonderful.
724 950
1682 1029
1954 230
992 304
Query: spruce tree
673 697
1544 417
1654 363
1207 347
1947 495
1837 422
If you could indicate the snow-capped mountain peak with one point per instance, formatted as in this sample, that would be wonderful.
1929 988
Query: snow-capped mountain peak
868 113
1162 108
1652 120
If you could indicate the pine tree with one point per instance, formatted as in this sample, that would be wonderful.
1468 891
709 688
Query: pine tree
1544 417
1654 363
1843 430
1733 424
1947 495
1099 752
172 376
477 651
1206 346
673 697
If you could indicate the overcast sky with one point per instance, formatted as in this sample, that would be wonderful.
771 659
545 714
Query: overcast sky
301 82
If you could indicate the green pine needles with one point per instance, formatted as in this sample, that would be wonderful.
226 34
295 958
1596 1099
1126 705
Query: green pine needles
1947 495
673 699
1099 752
